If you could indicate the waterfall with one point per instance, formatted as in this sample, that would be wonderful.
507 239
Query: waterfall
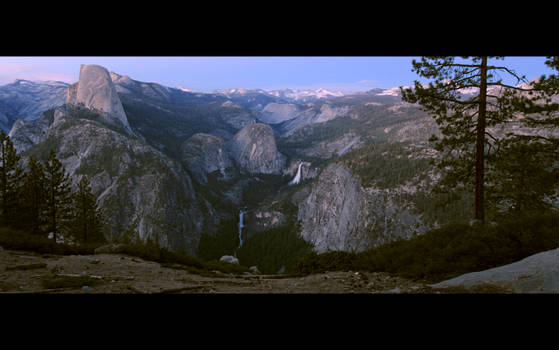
241 213
297 177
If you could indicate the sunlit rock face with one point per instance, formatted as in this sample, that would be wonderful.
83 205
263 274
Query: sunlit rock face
275 113
254 149
334 212
95 90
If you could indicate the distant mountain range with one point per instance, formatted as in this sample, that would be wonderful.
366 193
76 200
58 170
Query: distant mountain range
27 100
288 95
24 99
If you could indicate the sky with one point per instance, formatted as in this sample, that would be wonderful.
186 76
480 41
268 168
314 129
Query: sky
205 74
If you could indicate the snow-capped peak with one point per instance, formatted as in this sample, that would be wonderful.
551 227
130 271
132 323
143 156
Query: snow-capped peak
289 94
185 89
233 91
305 94
395 91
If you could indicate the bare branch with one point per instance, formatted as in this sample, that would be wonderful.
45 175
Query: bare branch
468 102
508 71
509 86
463 65
491 136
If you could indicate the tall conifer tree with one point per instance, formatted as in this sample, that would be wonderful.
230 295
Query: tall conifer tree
87 224
58 195
525 172
34 195
11 180
464 119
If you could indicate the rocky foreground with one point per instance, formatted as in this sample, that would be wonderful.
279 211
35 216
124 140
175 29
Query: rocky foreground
31 273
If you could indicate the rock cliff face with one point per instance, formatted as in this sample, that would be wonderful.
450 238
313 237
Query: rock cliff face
203 154
95 90
275 113
140 190
26 134
335 211
254 150
313 114
264 219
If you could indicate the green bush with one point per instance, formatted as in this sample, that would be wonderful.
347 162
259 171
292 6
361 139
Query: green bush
224 242
152 252
21 240
273 249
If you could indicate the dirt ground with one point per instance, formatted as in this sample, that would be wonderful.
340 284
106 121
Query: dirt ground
25 272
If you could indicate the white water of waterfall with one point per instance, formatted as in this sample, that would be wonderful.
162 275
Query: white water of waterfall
297 177
240 229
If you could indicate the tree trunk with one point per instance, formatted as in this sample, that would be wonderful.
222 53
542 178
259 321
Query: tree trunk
53 213
480 143
4 183
84 214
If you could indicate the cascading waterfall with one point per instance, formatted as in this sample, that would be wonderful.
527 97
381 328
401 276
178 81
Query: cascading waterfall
297 177
241 225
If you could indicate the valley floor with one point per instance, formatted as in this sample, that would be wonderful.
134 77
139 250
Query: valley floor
26 272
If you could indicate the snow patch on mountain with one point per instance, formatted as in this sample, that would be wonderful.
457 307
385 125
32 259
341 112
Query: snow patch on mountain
185 89
285 94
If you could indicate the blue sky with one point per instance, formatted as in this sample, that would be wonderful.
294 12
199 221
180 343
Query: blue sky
348 74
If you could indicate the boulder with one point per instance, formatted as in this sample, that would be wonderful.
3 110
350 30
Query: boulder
538 273
229 259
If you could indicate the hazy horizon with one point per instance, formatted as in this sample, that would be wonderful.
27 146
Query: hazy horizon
206 74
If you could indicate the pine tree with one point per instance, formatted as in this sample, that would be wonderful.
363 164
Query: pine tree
34 194
87 224
466 144
522 176
524 172
58 195
11 181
